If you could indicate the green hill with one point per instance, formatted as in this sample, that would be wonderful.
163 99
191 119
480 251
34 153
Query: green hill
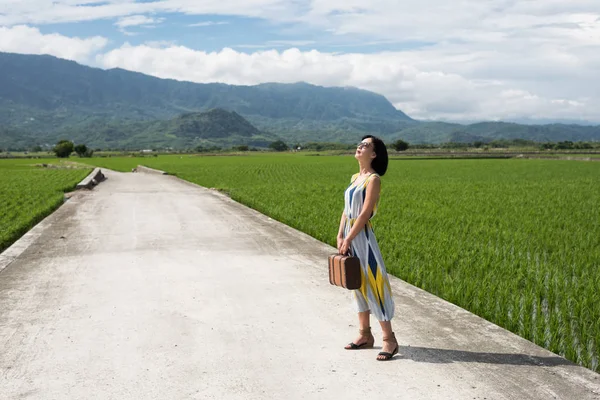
45 94
215 127
441 132
43 98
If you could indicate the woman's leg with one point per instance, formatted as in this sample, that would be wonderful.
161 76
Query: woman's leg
364 319
390 344
386 328
364 333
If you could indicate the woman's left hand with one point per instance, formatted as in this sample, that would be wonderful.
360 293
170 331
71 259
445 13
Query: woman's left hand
345 246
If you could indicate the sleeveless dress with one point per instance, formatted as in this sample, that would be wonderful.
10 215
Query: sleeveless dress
375 293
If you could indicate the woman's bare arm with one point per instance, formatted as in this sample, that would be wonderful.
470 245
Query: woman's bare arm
342 223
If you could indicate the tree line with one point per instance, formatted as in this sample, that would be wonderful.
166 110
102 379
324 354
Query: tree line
64 148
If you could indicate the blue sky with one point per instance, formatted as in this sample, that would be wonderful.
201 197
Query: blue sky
215 32
438 60
218 32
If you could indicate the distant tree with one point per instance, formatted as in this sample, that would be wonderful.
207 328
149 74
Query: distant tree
518 142
202 149
400 145
318 146
37 149
241 148
498 143
83 151
279 145
566 145
63 148
583 145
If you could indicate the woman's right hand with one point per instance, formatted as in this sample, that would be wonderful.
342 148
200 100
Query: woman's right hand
345 247
340 240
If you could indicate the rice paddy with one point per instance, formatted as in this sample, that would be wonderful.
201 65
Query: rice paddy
28 193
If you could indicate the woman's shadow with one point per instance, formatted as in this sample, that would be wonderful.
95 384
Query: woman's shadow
444 356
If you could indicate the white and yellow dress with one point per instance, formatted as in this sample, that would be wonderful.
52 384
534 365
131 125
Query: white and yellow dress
375 293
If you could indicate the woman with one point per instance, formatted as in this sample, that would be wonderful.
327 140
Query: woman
357 238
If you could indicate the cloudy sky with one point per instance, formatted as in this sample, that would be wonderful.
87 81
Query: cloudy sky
465 60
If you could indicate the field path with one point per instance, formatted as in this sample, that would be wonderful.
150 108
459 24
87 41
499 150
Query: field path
148 287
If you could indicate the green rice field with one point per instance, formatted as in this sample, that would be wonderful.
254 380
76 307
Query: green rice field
29 193
515 241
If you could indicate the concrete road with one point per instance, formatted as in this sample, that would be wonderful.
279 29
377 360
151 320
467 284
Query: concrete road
148 287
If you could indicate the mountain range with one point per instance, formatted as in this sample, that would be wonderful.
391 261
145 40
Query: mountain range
44 98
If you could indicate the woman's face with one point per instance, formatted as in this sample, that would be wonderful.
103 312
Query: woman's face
365 150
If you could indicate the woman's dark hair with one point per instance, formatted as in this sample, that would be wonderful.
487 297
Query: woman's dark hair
380 162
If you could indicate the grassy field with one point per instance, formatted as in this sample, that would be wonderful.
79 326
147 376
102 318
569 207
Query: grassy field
514 241
29 193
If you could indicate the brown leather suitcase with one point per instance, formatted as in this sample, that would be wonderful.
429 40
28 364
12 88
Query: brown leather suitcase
344 271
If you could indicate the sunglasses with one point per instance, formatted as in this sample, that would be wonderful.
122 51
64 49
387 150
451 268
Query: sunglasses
363 145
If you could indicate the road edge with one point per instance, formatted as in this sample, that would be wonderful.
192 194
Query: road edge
148 170
15 250
94 178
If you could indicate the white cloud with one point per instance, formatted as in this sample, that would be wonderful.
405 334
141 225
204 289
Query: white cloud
14 12
439 20
290 42
137 20
28 40
414 81
160 43
276 43
209 23
39 12
251 46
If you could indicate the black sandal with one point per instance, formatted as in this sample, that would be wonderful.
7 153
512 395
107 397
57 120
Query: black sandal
385 354
368 344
